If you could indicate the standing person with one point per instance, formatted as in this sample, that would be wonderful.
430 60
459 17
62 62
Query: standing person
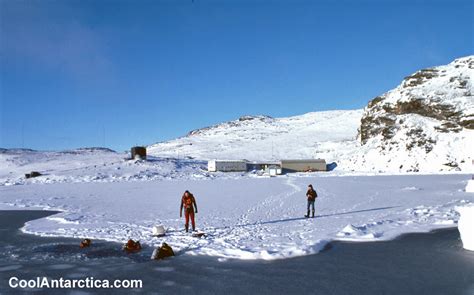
311 195
190 207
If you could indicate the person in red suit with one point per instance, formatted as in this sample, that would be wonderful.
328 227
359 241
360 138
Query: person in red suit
188 202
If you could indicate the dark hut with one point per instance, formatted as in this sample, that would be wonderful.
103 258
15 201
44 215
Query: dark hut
138 152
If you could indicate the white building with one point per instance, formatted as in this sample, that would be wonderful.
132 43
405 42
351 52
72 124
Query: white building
226 165
273 170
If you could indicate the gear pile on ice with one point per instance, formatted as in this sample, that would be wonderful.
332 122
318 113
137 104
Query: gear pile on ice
132 247
85 243
162 252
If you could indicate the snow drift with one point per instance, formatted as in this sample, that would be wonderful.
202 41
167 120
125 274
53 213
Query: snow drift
466 226
470 186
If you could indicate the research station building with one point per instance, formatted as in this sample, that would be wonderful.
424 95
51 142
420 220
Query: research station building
227 165
303 165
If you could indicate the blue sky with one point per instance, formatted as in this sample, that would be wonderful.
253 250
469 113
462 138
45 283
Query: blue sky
120 73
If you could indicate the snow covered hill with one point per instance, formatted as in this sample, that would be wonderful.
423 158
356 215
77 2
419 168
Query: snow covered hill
426 124
323 134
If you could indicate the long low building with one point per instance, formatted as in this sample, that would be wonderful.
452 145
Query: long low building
299 165
259 165
227 165
303 165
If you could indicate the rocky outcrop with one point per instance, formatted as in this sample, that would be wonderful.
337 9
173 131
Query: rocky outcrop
412 117
443 93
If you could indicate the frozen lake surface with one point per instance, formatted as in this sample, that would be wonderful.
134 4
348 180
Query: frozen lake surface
248 218
429 263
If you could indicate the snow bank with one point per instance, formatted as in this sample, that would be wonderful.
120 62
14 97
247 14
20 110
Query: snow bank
470 186
466 226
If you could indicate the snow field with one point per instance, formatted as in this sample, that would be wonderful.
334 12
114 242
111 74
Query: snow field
92 165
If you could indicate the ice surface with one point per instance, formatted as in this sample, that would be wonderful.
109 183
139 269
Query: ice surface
246 218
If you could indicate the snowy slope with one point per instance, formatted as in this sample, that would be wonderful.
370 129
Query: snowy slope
91 165
266 138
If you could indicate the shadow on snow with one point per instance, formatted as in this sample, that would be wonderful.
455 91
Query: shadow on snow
317 216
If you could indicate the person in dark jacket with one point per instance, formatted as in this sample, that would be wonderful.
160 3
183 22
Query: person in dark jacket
189 204
311 195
